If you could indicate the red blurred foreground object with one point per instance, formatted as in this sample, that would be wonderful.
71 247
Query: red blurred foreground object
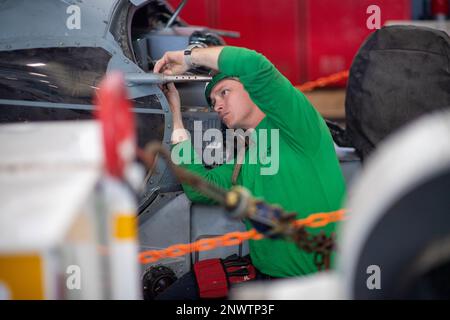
117 121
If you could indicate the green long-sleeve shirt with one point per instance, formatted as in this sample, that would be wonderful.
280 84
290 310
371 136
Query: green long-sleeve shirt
309 179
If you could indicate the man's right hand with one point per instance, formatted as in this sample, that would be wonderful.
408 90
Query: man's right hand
171 63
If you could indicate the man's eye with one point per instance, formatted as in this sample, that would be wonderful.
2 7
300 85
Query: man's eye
224 92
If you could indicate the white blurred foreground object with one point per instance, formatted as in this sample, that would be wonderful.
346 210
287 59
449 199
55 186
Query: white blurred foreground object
59 234
67 214
321 286
61 226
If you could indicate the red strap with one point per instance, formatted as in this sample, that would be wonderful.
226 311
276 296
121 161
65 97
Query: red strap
211 278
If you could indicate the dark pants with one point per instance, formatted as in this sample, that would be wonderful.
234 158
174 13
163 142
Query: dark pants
186 287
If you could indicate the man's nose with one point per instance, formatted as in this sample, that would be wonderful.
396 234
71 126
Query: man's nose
218 106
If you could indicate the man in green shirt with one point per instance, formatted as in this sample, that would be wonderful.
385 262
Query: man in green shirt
250 93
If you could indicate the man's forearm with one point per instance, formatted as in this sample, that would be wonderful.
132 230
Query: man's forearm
207 57
179 133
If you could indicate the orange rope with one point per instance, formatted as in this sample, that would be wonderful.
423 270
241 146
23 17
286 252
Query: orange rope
234 238
322 82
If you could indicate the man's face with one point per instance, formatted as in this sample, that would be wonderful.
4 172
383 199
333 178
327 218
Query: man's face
232 102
